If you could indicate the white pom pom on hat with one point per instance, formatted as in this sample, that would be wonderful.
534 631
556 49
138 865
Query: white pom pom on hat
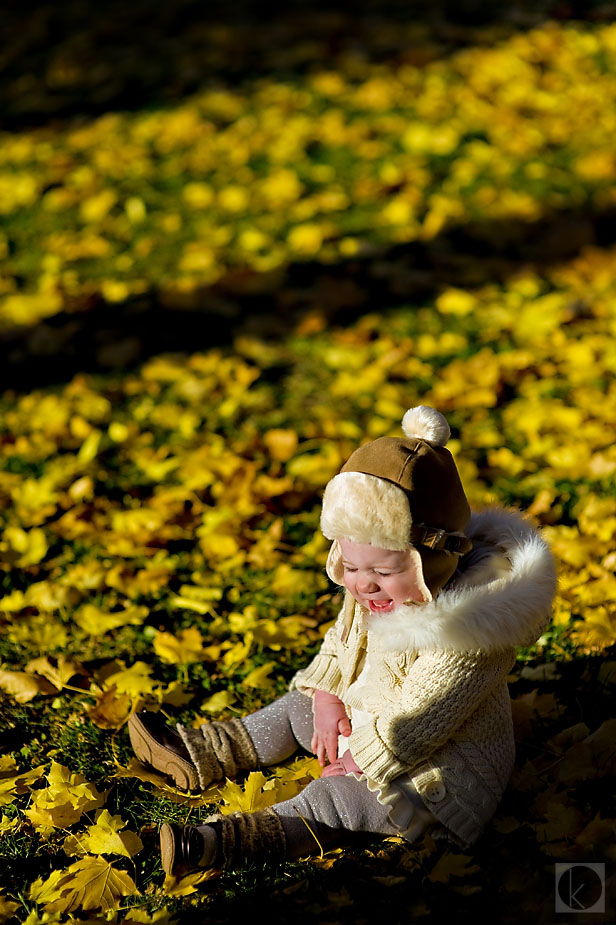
425 423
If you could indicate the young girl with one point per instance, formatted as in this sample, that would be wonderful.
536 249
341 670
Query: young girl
407 698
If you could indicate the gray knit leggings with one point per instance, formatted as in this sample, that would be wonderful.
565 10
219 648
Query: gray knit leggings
333 807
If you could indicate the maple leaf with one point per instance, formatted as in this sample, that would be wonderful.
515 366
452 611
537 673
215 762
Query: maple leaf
104 837
249 799
23 686
8 825
12 784
97 622
58 674
111 710
63 802
7 908
258 677
134 681
184 886
176 694
182 649
92 883
218 702
139 771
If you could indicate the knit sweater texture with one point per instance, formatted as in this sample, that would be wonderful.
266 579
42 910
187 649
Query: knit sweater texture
437 684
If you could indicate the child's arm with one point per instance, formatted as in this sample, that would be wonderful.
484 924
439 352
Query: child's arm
323 672
330 721
440 692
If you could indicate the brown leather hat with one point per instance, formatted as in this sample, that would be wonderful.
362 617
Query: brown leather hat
399 493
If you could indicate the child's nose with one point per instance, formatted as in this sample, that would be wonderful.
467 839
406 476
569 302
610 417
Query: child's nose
366 584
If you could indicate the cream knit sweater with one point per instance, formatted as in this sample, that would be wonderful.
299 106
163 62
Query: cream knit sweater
437 675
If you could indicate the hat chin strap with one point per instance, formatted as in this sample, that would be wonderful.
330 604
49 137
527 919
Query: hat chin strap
454 544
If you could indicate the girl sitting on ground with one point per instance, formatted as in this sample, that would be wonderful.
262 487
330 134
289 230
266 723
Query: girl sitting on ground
406 704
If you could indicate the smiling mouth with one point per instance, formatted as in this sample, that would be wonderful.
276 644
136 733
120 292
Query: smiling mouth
380 606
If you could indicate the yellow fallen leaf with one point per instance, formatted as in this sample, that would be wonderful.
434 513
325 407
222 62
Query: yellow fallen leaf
111 709
218 702
249 798
13 602
40 632
24 547
141 917
104 837
14 782
23 686
65 799
89 448
58 674
258 677
139 771
188 884
306 767
7 826
561 821
97 622
238 652
92 883
182 649
280 443
7 908
187 603
134 681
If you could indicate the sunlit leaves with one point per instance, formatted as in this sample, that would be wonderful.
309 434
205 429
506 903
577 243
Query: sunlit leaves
22 685
14 782
186 647
501 132
106 836
91 883
95 621
259 792
67 796
158 528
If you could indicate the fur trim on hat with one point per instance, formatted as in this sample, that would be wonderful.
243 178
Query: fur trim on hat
425 423
512 608
366 509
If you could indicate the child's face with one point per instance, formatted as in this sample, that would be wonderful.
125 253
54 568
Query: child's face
380 579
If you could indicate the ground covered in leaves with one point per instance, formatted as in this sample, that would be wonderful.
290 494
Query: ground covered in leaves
356 215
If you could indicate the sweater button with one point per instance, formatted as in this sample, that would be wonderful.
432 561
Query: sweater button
435 791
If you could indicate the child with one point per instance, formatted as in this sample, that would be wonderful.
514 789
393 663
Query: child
407 698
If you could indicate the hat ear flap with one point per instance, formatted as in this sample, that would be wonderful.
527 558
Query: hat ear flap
421 592
333 566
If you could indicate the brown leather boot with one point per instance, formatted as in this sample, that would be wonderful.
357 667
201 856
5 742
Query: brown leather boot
193 758
158 745
222 841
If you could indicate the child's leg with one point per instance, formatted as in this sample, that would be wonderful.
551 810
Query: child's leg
331 809
222 749
280 727
327 813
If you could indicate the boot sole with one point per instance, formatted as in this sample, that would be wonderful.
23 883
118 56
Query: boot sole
152 753
167 848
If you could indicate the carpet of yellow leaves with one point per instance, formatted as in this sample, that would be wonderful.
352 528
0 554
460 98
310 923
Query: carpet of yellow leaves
158 529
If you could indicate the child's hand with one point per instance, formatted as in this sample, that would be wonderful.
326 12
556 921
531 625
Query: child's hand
330 721
344 765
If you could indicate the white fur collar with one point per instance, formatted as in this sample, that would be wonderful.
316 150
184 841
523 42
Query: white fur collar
488 607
